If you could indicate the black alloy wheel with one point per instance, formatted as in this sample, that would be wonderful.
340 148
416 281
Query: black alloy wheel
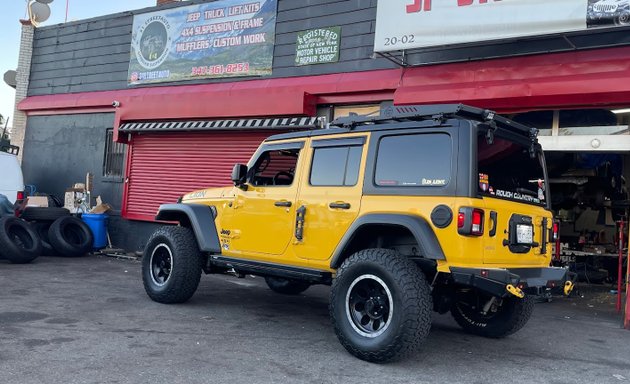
369 305
161 264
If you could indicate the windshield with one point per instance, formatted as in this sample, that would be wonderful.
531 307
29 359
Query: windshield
507 171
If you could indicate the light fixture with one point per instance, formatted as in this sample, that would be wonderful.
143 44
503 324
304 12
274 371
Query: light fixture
619 111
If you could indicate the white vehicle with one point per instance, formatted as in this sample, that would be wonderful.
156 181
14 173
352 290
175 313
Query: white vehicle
11 179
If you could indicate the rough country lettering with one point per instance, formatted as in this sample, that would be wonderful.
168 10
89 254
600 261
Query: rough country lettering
425 5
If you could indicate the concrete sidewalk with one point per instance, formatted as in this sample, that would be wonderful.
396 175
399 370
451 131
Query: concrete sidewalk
88 320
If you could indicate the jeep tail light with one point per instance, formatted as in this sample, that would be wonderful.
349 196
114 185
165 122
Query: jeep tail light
477 222
20 197
555 234
470 221
461 219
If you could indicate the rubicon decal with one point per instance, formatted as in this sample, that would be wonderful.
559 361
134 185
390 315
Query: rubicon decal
409 24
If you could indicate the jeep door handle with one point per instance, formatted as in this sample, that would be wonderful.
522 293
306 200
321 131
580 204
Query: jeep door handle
339 205
282 203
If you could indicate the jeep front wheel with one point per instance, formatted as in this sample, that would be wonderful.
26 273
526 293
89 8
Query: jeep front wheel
498 318
380 305
623 18
171 265
286 286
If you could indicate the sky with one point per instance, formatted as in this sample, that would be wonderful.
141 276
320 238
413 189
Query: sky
10 27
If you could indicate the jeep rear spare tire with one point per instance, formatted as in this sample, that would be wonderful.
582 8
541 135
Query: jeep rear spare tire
19 243
171 265
503 318
286 286
380 305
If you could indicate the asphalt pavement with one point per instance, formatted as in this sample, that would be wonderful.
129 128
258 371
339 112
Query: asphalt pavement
88 320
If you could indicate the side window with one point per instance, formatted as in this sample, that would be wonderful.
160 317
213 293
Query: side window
336 166
275 168
420 160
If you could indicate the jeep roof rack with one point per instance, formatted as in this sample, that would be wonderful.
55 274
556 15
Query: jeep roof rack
437 112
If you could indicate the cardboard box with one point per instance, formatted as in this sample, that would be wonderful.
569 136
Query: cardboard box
37 201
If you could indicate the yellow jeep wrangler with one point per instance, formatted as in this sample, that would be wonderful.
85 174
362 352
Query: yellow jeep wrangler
424 208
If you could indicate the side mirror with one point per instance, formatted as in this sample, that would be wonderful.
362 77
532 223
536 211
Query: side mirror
239 174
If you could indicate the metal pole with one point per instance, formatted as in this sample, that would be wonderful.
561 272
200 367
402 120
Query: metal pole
620 267
67 1
558 246
626 322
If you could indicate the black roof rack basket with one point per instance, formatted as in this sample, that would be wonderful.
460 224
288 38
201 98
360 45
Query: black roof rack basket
437 112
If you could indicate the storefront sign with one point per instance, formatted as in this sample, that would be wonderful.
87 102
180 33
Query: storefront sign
406 24
217 39
318 46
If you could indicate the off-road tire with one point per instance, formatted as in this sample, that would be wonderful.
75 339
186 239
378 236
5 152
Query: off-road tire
410 313
286 286
70 236
511 317
47 214
19 243
185 265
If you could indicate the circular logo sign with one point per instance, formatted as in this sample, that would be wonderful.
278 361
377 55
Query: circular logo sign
152 42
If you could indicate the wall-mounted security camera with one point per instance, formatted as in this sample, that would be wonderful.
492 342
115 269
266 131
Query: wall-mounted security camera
115 103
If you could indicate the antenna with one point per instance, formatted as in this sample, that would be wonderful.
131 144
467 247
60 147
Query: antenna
4 132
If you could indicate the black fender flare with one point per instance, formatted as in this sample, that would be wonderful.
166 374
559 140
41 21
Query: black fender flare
201 220
420 229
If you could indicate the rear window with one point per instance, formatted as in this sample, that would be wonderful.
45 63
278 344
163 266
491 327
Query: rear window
506 170
420 160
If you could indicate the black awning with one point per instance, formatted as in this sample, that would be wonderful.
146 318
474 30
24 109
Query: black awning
208 125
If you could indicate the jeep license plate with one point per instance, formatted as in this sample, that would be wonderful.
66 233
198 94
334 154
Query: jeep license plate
524 234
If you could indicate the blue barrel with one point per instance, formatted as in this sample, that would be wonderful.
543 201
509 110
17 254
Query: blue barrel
98 224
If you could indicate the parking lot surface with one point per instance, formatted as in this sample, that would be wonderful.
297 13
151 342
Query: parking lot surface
88 320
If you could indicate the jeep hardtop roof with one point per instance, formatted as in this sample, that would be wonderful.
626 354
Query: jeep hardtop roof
434 115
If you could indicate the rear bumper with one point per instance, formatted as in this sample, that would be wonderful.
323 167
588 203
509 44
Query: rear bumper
496 281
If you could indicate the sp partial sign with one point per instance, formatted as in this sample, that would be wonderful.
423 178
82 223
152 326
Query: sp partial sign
408 24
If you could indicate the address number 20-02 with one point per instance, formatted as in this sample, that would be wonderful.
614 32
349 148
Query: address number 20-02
404 39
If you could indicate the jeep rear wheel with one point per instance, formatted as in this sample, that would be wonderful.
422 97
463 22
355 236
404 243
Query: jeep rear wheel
502 317
380 305
286 286
171 265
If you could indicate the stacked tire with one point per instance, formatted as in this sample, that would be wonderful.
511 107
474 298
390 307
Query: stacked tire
61 234
19 243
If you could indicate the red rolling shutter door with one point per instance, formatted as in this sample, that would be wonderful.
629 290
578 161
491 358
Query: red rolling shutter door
162 167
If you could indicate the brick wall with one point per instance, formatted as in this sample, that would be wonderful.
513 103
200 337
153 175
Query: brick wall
22 79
